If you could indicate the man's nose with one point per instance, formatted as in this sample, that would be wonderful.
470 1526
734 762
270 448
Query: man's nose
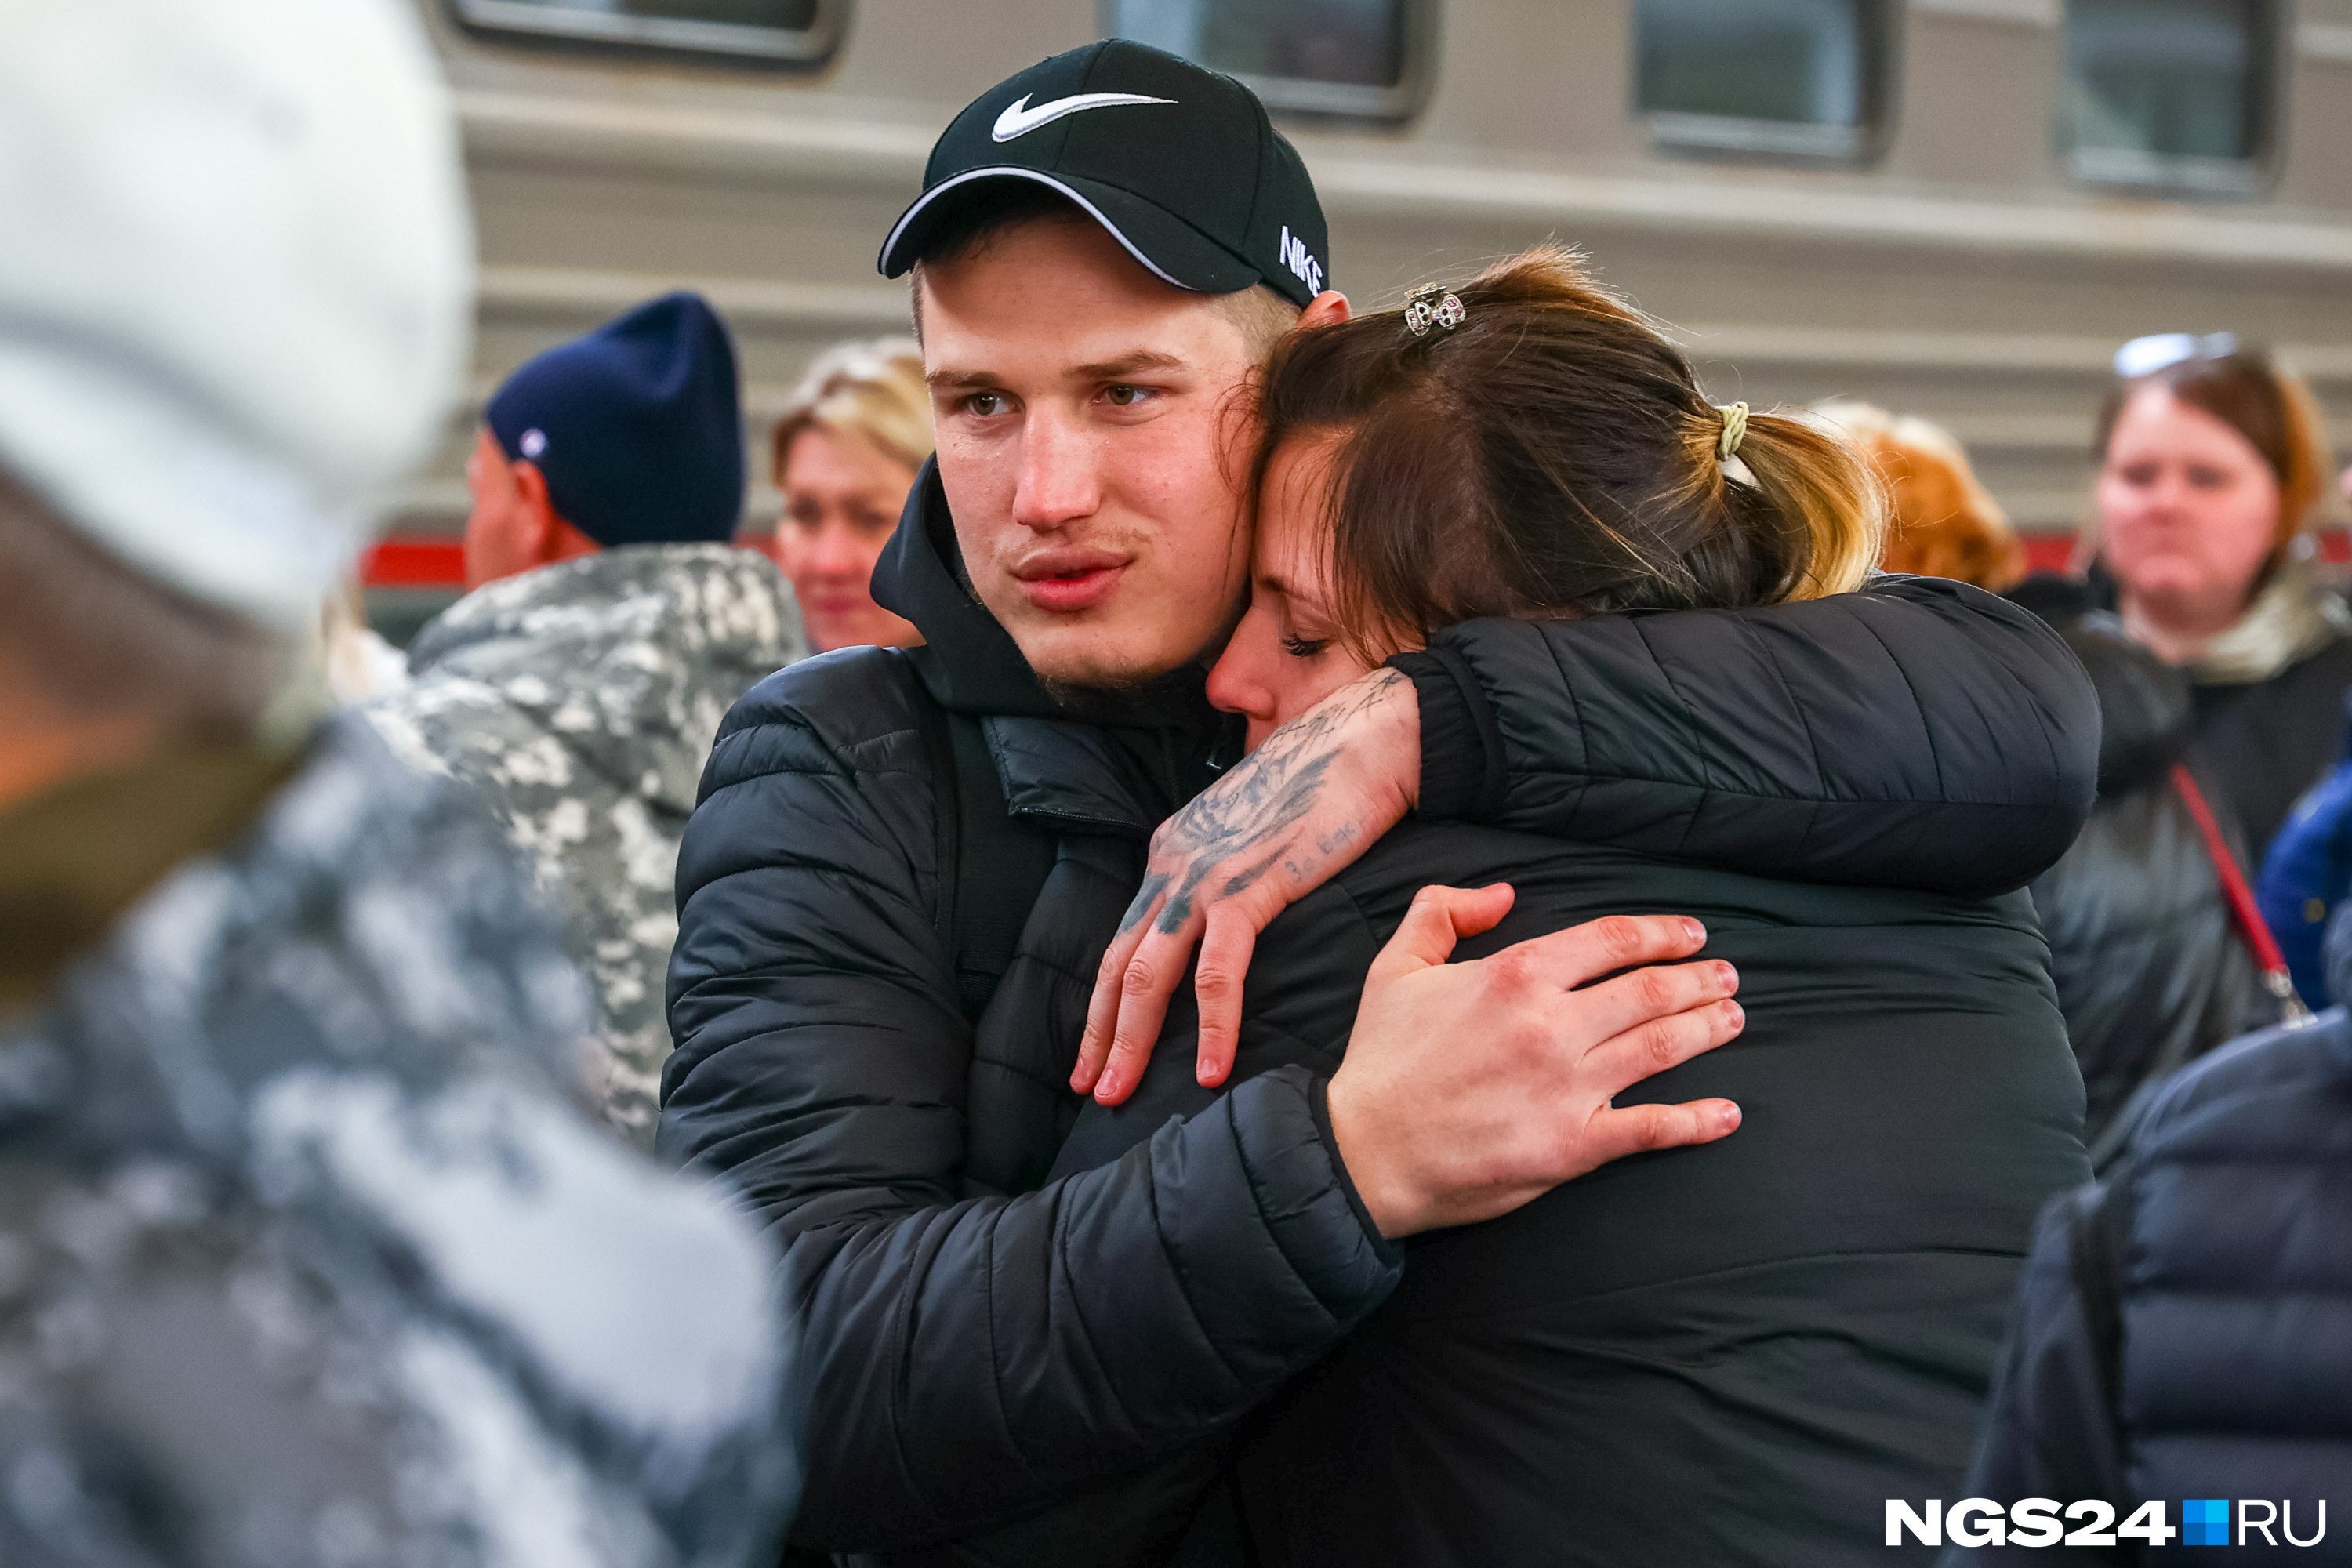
1058 482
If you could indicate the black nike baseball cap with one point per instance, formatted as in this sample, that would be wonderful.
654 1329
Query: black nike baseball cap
1178 162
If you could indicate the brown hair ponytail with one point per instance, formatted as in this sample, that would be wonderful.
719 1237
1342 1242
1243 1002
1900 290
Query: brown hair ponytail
1550 453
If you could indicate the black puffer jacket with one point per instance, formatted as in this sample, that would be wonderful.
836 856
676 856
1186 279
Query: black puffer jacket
977 1342
2185 1330
1718 1356
2150 972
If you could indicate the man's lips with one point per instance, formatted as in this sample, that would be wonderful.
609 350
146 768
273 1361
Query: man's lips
1065 581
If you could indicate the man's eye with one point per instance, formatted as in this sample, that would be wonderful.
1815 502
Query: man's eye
1122 396
1298 646
986 404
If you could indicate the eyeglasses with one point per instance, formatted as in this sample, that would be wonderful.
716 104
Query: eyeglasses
2162 350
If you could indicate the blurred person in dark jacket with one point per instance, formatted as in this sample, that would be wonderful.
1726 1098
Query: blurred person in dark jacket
1728 1354
308 1252
2222 669
2184 1327
610 627
1941 522
906 865
2213 467
845 455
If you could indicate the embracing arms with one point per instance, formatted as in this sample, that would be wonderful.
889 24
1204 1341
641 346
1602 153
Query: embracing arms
1921 735
964 1357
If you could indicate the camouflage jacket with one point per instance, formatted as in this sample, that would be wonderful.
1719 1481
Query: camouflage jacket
306 1255
581 699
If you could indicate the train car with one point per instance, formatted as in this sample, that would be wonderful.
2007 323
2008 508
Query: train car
1953 208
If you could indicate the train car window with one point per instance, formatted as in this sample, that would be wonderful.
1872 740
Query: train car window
798 31
1358 58
2172 93
1802 80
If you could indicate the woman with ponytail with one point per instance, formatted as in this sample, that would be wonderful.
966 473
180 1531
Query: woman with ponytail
1728 1353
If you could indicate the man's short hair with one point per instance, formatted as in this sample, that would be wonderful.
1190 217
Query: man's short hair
1261 315
98 639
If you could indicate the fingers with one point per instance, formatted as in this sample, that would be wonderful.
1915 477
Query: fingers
1225 950
1102 1009
1150 977
1634 1129
1438 919
1581 953
1652 1046
1612 1007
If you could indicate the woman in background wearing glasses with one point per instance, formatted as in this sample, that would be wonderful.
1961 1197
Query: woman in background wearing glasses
2222 663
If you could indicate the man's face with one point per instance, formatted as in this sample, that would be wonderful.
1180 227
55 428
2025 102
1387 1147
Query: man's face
1092 442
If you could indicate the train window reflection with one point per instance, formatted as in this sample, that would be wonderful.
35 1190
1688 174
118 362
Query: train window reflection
2171 92
799 31
1799 78
1333 56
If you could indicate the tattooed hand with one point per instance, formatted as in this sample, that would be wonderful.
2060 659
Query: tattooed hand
1295 812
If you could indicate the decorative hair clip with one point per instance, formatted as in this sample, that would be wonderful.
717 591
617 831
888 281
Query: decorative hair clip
1432 305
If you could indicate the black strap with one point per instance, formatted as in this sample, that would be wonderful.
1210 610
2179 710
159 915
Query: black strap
992 864
2097 1243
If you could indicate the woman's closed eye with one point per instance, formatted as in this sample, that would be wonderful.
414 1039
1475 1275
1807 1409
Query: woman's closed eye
1298 646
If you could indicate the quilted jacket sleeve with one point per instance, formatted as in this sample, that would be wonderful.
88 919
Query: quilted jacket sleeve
962 1360
2048 1431
1920 733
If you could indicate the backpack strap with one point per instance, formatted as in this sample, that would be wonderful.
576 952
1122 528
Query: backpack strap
992 866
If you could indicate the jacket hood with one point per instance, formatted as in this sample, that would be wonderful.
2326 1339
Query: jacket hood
2144 708
2292 618
970 663
627 658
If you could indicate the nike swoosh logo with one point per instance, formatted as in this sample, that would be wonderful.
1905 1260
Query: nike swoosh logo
1019 118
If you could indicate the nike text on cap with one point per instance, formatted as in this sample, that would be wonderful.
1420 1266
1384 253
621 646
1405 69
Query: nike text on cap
1178 162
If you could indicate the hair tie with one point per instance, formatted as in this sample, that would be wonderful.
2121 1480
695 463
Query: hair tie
1735 430
1432 305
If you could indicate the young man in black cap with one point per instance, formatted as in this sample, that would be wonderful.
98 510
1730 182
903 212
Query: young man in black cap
611 627
904 869
972 1344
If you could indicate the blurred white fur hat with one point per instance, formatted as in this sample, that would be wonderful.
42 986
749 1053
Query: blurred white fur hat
236 280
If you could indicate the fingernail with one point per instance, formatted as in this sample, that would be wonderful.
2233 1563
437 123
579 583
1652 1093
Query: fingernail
1728 1116
1692 929
1735 1013
1729 976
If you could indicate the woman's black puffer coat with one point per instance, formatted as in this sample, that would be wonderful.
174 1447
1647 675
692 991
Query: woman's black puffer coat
1725 1356
2150 972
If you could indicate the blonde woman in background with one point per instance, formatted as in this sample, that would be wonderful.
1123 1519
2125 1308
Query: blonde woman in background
1941 522
844 455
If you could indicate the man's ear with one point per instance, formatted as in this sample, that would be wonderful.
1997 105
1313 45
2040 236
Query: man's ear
539 516
1329 309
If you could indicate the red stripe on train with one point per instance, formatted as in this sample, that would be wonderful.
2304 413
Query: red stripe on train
414 564
440 563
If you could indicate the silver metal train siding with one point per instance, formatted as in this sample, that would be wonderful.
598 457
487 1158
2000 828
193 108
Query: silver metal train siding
1964 229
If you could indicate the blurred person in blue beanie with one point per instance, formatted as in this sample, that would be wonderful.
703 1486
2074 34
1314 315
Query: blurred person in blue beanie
290 1131
610 627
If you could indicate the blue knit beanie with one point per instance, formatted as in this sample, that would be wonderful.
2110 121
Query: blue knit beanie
636 426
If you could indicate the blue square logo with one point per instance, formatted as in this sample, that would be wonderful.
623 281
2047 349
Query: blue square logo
2205 1521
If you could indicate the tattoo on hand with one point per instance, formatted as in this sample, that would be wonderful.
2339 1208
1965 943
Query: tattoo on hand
1253 810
